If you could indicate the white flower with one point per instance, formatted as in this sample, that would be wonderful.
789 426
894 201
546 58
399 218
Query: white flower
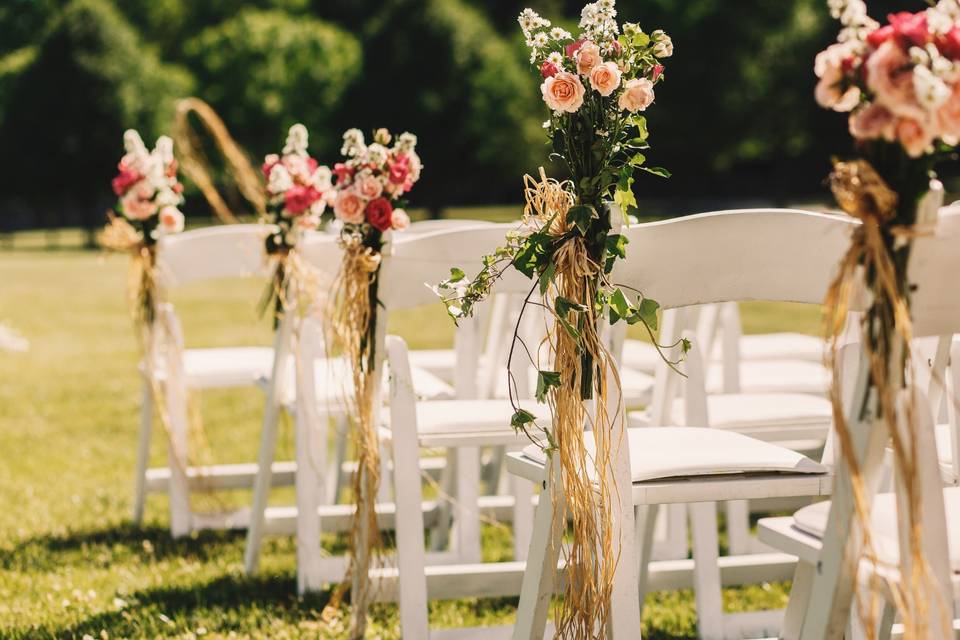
322 178
164 150
559 34
353 144
530 20
376 154
540 40
556 58
932 92
133 143
407 142
663 47
280 180
942 18
296 141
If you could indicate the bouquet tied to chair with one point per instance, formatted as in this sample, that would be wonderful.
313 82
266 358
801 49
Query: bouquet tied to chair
597 86
900 83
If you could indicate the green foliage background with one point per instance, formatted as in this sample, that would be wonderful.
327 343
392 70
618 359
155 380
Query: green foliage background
735 119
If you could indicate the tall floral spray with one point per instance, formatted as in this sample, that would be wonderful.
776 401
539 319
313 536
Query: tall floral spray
597 86
297 191
371 184
900 84
149 196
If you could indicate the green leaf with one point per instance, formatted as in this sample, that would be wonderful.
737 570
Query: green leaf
521 418
569 328
648 312
657 171
546 277
580 216
637 160
546 380
619 303
617 244
456 275
623 196
563 306
685 345
641 39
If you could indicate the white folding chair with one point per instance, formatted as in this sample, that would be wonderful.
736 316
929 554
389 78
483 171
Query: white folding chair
773 255
202 255
823 536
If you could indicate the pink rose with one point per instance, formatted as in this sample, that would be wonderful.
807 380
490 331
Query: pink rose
398 169
915 136
399 220
563 92
949 44
138 202
588 57
349 207
126 179
369 187
572 48
548 69
380 214
878 36
605 78
637 95
171 220
299 198
871 122
890 77
948 117
831 66
343 172
910 28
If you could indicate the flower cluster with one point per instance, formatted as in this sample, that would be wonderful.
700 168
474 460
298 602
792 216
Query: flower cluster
900 81
372 180
298 188
147 187
619 67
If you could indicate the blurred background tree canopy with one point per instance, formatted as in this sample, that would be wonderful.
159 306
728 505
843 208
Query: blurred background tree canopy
735 121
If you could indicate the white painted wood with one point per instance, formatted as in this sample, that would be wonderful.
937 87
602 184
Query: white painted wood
175 397
703 521
523 511
268 442
221 476
467 521
143 452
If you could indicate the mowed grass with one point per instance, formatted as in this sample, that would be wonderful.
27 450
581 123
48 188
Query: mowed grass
71 563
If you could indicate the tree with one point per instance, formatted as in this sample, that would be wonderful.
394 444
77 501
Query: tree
265 70
66 110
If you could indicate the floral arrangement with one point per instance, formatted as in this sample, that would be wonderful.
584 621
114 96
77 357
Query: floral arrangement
149 196
900 82
370 186
596 85
147 187
297 191
372 181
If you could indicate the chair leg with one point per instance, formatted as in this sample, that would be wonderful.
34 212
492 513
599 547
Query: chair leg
522 491
143 453
738 526
383 494
440 532
467 508
337 479
706 570
261 484
646 524
411 556
797 604
311 462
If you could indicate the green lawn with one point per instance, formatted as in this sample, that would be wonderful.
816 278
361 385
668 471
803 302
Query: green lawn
71 564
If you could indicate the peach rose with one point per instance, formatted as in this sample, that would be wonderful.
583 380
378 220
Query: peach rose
369 187
889 76
138 202
171 220
563 92
871 122
915 136
829 67
637 95
588 56
948 118
605 78
350 207
399 219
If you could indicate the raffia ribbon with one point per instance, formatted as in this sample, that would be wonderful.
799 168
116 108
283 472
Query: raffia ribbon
587 497
863 194
351 318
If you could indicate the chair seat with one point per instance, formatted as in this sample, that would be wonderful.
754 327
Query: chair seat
812 520
762 346
775 376
439 362
226 366
739 410
658 453
475 419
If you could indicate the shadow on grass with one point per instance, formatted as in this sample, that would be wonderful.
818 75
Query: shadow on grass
230 602
120 543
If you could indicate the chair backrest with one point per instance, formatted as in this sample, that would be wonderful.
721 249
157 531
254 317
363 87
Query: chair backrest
228 251
414 262
322 251
446 224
